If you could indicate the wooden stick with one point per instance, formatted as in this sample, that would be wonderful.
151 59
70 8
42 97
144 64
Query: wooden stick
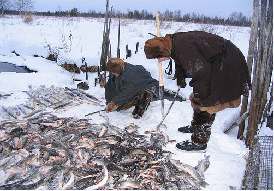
161 81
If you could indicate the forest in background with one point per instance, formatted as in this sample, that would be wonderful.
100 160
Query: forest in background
17 7
235 18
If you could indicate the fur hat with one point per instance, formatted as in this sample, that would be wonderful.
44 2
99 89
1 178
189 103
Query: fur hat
158 47
115 65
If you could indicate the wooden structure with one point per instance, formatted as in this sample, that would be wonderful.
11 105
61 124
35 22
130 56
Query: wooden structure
260 63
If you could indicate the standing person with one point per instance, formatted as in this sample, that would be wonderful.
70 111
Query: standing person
219 76
129 85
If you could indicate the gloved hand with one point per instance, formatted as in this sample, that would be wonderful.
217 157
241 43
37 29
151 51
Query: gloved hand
194 98
181 82
111 106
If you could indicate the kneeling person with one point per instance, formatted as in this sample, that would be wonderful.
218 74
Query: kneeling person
129 85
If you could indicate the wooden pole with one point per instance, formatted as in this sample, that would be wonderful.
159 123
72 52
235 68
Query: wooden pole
250 57
119 31
161 81
262 71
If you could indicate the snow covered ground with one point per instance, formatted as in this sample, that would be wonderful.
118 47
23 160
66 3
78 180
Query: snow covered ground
77 38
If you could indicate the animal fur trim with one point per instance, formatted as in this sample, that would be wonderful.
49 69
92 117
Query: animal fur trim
201 134
111 107
217 108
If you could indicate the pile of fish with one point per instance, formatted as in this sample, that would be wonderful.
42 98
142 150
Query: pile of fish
39 150
49 152
56 98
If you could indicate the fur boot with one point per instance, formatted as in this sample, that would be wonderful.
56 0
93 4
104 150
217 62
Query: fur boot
201 123
142 104
199 118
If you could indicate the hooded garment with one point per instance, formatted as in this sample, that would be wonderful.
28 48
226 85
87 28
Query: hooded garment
217 68
132 80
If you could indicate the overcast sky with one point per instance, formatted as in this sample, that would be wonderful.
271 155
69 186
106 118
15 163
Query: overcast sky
220 8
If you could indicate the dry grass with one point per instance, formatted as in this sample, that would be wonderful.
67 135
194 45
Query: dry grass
27 18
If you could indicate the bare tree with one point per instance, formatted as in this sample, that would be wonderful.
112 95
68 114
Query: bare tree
177 15
238 17
168 15
24 5
4 4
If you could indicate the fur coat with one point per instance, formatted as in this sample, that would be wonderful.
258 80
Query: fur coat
217 68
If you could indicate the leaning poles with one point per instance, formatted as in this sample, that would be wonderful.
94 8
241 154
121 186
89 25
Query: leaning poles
119 34
105 48
161 81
